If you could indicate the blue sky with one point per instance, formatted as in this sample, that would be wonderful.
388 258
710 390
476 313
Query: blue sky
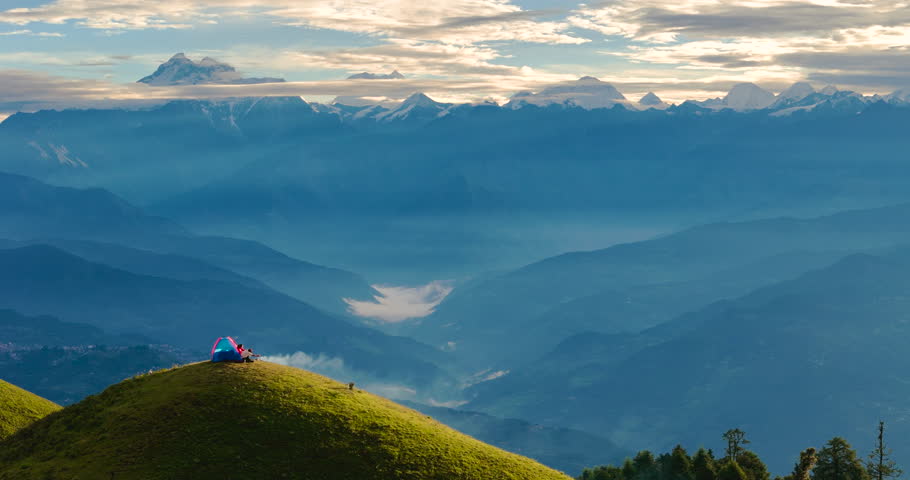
76 52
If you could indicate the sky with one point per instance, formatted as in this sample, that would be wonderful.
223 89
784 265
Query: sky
88 52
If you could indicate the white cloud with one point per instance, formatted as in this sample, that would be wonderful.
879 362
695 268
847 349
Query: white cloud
335 368
449 21
765 41
322 364
30 33
396 304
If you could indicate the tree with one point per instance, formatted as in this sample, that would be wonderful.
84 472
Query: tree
703 465
735 438
645 465
837 461
628 469
880 465
803 468
753 466
608 472
680 465
731 471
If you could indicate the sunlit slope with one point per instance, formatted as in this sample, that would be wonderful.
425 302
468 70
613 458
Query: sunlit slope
19 408
253 421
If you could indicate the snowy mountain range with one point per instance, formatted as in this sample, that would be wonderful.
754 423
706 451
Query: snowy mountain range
588 93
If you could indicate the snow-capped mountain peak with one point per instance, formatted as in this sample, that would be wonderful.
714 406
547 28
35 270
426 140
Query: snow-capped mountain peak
797 91
419 100
899 97
748 96
417 105
650 100
586 92
394 75
180 70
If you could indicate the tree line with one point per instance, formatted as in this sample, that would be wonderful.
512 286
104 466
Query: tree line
837 460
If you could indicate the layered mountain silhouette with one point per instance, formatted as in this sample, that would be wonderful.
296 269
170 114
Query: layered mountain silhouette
45 280
829 339
96 224
630 287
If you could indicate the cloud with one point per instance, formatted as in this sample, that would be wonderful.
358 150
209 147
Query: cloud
448 21
859 42
414 57
397 304
335 368
31 33
646 20
322 364
461 50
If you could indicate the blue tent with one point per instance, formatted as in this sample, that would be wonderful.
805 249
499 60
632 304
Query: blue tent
225 350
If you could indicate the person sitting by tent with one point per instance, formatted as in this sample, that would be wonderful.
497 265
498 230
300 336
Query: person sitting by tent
247 355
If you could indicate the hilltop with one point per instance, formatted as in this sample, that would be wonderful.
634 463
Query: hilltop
250 421
19 408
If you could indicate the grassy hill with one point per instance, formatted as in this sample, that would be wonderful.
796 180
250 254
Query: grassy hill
257 420
19 408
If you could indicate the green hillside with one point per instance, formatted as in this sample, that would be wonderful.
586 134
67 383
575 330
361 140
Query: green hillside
252 421
19 408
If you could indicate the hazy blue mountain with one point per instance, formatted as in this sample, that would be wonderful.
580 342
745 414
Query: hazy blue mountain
191 314
564 449
29 208
633 286
147 155
604 166
812 356
144 262
34 210
21 332
313 181
66 374
639 307
66 361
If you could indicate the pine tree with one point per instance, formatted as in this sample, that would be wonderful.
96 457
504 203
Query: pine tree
628 469
735 438
731 471
837 461
753 466
703 465
645 465
880 465
680 465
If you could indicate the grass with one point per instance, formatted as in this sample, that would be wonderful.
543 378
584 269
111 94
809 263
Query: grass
19 408
251 421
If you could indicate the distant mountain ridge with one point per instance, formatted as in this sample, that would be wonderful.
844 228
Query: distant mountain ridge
85 220
393 75
725 364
